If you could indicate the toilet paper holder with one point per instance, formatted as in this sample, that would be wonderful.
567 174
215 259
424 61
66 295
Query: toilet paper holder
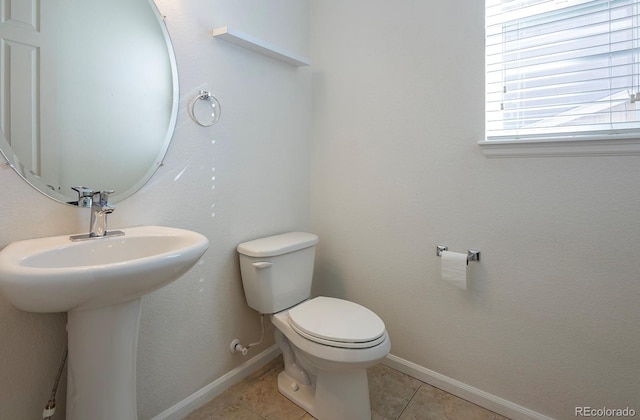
472 254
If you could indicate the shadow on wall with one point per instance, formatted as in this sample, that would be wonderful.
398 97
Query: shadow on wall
328 280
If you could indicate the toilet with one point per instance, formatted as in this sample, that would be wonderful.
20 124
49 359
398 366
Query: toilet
327 344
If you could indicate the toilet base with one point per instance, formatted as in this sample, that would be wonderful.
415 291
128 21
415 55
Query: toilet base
300 394
333 396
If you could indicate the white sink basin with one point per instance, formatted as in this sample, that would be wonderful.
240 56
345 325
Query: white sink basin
55 274
100 283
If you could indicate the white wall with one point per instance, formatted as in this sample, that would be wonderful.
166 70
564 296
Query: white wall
550 320
261 158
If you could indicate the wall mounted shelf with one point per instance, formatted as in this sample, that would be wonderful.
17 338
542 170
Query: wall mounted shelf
258 45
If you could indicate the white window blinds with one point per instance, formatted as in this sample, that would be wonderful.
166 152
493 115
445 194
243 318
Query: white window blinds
562 68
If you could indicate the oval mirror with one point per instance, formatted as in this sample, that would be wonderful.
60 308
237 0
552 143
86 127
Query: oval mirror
88 94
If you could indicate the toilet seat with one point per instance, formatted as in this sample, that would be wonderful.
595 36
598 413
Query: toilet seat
337 323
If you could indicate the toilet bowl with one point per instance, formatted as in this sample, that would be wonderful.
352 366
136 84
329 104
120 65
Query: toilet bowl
336 332
327 343
325 370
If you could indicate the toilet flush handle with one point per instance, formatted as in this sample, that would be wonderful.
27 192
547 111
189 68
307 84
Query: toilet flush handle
262 264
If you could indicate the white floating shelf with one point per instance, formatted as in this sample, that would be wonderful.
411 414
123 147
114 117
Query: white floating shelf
262 47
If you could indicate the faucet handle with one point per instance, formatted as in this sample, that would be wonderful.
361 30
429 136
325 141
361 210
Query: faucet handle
85 196
103 197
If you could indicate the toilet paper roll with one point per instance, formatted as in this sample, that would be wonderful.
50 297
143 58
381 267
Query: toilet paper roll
454 268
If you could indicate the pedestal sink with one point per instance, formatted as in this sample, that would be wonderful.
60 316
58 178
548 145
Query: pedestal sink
100 283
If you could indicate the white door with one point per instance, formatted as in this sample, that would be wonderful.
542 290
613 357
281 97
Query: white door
28 86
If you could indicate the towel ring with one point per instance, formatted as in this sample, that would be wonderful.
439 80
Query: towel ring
215 105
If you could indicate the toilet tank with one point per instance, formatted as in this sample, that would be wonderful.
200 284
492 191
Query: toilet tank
277 270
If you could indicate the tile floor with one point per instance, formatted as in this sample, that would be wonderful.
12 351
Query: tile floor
394 395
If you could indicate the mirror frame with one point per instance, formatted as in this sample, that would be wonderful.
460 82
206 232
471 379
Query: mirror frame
158 162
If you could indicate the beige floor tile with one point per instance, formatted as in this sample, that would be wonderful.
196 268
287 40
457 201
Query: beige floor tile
262 396
225 406
234 411
376 416
390 391
431 403
457 408
394 396
228 405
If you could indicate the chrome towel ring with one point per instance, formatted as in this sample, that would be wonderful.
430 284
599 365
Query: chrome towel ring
216 110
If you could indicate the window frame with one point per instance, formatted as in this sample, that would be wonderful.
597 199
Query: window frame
596 146
562 145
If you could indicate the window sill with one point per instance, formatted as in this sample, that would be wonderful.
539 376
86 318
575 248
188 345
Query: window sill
561 147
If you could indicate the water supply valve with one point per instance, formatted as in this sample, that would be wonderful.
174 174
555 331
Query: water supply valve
236 347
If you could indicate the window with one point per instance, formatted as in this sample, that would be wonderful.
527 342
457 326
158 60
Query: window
562 70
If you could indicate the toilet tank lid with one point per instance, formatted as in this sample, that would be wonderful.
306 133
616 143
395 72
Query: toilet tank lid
278 244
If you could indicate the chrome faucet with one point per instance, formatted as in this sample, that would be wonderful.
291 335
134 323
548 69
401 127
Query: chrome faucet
100 209
85 196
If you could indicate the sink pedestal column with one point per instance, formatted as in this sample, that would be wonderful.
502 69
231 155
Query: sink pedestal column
101 378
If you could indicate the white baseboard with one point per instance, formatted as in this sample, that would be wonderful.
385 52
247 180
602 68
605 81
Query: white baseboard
452 386
217 387
469 393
